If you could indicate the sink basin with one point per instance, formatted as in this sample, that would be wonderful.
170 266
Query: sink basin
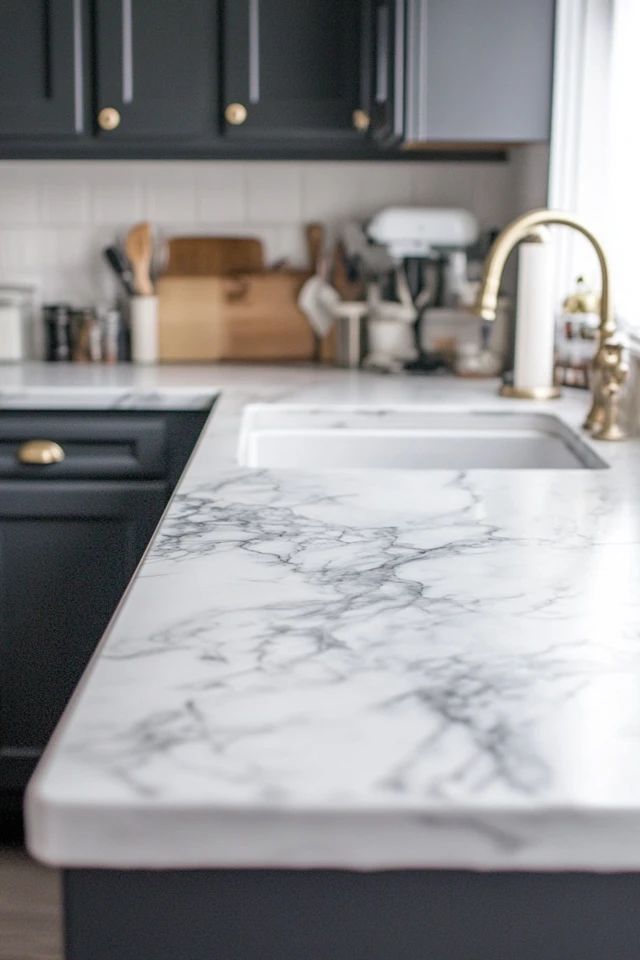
410 438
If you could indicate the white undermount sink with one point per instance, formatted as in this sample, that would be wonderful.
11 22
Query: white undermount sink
316 438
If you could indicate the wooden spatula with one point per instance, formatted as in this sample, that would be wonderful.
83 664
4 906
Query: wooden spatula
315 245
138 246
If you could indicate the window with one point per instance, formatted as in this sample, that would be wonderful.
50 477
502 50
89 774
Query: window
623 229
595 143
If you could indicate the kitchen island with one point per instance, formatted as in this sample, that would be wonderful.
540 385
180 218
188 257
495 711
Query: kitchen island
357 713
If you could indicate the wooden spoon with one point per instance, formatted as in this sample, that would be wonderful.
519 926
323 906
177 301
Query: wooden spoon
315 245
138 246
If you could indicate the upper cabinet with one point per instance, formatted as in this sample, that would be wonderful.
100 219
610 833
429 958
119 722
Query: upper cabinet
461 71
157 67
42 87
386 65
245 78
291 70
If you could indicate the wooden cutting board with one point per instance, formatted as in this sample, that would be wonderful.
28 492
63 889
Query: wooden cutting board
251 316
213 256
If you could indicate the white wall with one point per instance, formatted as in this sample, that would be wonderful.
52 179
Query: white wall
55 217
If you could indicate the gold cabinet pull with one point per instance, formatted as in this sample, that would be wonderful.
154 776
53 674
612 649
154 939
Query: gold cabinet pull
361 120
109 118
235 114
40 452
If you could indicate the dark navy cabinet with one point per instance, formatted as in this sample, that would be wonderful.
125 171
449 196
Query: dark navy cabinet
157 68
246 914
67 551
71 536
291 69
256 78
42 82
387 65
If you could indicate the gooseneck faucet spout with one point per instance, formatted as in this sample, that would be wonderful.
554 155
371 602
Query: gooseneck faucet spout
609 371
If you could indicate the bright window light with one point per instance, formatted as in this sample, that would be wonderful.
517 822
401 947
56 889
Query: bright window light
624 163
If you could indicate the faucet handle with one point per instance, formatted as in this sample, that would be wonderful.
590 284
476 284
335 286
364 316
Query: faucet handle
610 371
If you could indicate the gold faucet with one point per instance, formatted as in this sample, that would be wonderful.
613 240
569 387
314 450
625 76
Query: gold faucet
609 370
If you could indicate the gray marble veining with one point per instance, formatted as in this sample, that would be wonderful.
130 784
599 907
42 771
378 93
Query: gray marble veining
364 669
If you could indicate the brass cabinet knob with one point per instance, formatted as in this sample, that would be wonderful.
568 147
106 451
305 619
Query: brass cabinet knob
40 452
109 118
361 120
235 114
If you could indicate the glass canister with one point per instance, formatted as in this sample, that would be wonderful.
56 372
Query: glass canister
16 316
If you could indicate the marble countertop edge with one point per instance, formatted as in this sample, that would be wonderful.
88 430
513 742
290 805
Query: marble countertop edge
480 629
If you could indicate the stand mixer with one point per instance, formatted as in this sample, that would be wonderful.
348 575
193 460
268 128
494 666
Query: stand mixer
420 243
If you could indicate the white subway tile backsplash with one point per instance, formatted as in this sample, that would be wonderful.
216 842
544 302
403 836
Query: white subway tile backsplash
19 198
55 217
444 184
21 249
220 194
330 191
273 192
382 185
117 194
170 192
491 198
65 197
64 248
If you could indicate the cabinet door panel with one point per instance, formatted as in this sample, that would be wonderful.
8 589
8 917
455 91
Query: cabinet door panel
489 70
157 65
41 68
294 66
387 33
67 551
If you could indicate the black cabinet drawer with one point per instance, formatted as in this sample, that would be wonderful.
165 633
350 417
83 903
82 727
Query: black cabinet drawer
95 445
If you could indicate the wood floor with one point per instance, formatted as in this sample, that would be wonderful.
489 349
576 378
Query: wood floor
29 909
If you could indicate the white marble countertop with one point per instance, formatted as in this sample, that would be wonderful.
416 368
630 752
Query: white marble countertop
359 670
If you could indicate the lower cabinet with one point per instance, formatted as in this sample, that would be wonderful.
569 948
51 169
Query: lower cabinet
67 551
72 532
